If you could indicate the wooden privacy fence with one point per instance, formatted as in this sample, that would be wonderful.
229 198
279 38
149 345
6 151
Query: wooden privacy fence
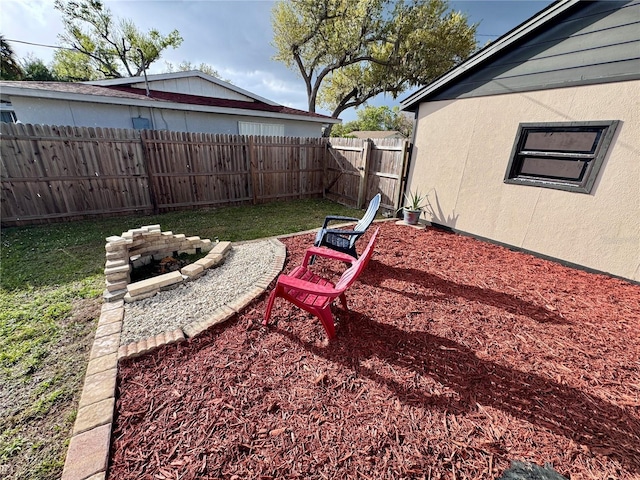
53 173
356 170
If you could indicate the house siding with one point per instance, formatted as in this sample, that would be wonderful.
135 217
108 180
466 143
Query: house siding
596 42
83 114
461 153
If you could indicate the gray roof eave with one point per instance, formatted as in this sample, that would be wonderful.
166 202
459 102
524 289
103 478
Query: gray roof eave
78 97
489 52
174 75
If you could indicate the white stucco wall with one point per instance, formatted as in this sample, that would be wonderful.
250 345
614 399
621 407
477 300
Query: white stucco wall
83 114
460 157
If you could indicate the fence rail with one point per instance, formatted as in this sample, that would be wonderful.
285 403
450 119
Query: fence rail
51 173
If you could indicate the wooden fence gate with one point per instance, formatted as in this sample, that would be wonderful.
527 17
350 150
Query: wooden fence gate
357 169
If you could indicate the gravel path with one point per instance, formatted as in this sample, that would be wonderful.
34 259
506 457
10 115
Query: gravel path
192 301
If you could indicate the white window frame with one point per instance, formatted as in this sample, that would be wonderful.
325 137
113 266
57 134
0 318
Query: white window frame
261 129
6 107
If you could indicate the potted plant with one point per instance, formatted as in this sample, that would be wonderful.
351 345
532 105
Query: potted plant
415 203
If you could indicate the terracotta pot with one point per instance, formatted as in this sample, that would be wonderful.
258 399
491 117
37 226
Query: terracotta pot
411 216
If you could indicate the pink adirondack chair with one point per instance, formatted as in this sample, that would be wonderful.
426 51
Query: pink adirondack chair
315 294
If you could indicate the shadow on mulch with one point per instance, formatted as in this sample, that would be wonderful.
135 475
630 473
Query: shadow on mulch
509 303
455 358
566 411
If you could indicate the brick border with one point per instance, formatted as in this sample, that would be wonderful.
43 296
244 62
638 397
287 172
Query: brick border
88 452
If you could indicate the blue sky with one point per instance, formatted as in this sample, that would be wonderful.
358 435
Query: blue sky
233 36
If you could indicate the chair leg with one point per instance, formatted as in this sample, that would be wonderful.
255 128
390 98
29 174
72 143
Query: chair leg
272 298
327 321
343 300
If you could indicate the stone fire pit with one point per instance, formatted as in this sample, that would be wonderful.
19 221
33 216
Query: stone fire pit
138 247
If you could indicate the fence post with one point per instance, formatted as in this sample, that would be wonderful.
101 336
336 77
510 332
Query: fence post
403 175
147 166
325 156
253 167
364 173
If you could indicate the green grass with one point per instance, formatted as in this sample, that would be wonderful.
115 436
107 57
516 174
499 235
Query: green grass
51 281
73 251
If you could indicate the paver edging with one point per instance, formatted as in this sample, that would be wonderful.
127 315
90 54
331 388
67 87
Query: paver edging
88 453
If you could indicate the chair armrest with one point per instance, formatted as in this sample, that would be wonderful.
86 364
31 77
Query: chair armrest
329 218
326 253
307 287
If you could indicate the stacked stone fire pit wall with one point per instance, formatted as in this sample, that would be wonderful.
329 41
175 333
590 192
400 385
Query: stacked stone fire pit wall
137 247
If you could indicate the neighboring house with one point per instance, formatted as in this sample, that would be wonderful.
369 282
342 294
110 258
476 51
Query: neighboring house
183 101
534 141
364 134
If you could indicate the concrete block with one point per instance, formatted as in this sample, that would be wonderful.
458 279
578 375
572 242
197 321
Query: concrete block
206 245
118 247
110 315
115 240
154 283
160 339
98 387
105 345
192 270
126 268
100 364
108 329
206 262
177 335
113 296
98 476
115 263
118 277
94 415
121 254
115 286
130 298
88 454
220 315
111 306
122 352
193 329
174 285
217 259
221 248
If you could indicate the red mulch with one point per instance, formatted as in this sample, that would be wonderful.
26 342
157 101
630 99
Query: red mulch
457 356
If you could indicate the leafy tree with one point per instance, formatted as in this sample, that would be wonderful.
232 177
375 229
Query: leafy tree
348 51
35 70
376 119
9 66
73 66
110 47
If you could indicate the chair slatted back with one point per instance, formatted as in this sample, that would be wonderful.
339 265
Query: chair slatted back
368 217
351 274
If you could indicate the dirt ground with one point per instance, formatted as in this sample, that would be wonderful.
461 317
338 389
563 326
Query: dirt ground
455 358
38 411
